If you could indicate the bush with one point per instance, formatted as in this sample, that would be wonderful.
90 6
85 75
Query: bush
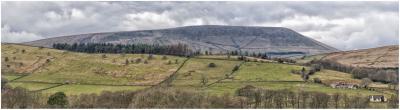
57 100
164 57
235 68
317 80
150 57
138 60
212 65
6 59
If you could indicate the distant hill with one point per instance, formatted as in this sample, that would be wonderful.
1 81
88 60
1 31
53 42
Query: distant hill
381 57
276 40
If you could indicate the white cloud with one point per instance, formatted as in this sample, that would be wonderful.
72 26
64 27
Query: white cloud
147 20
15 37
339 24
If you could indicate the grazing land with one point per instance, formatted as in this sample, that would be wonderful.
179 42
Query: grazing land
48 71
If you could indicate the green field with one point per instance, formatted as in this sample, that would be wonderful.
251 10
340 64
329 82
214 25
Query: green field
190 74
94 73
255 71
31 86
307 59
74 89
89 68
10 77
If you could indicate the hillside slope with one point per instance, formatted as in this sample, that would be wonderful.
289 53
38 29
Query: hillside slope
206 38
381 57
76 73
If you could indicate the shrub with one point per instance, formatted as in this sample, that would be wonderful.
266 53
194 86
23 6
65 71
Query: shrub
145 62
138 60
235 68
176 61
164 57
212 65
58 99
317 80
150 57
6 59
104 56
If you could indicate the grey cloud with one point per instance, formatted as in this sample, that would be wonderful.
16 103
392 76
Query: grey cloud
339 24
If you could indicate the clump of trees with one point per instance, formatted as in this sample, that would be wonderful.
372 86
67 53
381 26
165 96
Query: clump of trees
284 60
58 100
165 97
385 75
178 49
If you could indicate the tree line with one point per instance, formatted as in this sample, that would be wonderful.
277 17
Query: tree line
385 75
178 49
246 97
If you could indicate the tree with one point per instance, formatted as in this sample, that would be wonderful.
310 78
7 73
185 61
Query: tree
6 59
4 81
365 82
212 65
164 57
316 67
393 101
176 61
204 80
150 57
317 80
235 68
138 60
126 61
336 99
104 56
57 100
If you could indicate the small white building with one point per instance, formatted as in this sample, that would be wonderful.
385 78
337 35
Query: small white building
377 98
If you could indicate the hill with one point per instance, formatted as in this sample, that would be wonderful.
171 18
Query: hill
214 38
381 57
76 73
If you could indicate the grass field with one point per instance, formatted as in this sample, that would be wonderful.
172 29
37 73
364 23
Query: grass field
10 77
192 71
80 70
255 71
31 86
310 58
89 68
74 89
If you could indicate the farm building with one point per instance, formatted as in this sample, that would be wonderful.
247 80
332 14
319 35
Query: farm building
377 98
344 85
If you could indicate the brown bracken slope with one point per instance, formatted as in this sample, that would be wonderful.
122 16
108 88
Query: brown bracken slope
381 57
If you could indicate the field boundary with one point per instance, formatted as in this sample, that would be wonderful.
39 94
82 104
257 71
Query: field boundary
171 77
230 74
48 88
78 84
262 81
22 76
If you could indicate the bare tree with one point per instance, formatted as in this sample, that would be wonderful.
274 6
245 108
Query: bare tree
204 80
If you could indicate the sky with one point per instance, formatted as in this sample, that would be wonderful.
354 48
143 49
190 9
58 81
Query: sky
343 25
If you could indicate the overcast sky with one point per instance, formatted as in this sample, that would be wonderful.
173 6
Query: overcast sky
343 25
